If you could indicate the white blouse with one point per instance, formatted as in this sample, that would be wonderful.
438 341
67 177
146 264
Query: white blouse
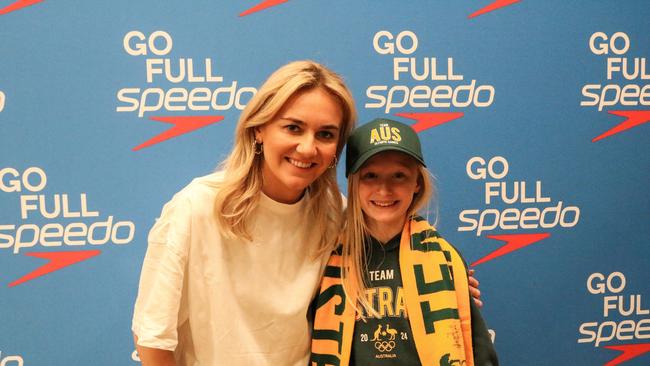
218 301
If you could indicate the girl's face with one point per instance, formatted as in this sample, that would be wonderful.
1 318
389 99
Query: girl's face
387 183
299 143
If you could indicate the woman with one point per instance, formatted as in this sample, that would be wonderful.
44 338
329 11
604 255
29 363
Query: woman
236 256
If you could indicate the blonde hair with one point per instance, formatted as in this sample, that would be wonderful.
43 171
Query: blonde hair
240 190
356 230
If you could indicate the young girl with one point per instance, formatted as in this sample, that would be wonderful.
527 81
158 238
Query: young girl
395 292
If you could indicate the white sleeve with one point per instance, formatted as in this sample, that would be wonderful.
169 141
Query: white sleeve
157 313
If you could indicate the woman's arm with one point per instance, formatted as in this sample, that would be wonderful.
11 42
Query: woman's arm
473 289
154 356
160 292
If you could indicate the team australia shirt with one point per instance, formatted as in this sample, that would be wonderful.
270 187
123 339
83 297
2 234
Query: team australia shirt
386 340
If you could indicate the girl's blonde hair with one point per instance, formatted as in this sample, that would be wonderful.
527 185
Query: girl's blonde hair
354 253
240 190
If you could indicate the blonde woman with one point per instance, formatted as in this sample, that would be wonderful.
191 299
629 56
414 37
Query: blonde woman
395 292
235 258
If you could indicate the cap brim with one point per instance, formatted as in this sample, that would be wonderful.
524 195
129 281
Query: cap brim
370 153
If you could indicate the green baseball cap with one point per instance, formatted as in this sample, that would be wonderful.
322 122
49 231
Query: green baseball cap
380 135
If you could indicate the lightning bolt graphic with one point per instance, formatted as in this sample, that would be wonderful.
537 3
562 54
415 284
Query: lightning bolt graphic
18 5
494 6
634 118
182 125
429 120
261 6
513 242
56 261
630 351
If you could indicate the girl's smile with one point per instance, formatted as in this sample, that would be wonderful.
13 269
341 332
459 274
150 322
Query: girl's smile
387 183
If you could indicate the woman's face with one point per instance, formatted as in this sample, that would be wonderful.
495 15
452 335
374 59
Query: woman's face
387 183
299 143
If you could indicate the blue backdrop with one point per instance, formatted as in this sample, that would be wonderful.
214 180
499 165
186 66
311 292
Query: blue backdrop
532 115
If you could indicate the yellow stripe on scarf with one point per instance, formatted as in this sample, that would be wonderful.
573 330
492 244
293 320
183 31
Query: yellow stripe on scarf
437 296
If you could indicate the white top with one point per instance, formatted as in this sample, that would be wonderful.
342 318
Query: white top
216 301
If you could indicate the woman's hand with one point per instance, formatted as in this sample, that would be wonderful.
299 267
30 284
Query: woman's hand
473 289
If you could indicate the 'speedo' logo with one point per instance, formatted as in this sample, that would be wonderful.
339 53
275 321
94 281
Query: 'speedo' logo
60 220
439 84
497 4
19 4
262 6
449 91
527 208
202 96
616 305
629 71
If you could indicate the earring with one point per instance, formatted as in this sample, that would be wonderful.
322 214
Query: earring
334 162
258 147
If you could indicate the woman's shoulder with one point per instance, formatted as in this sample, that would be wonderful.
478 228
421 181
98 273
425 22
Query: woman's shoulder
203 187
197 196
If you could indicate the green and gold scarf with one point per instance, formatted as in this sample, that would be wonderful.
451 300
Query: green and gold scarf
437 303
